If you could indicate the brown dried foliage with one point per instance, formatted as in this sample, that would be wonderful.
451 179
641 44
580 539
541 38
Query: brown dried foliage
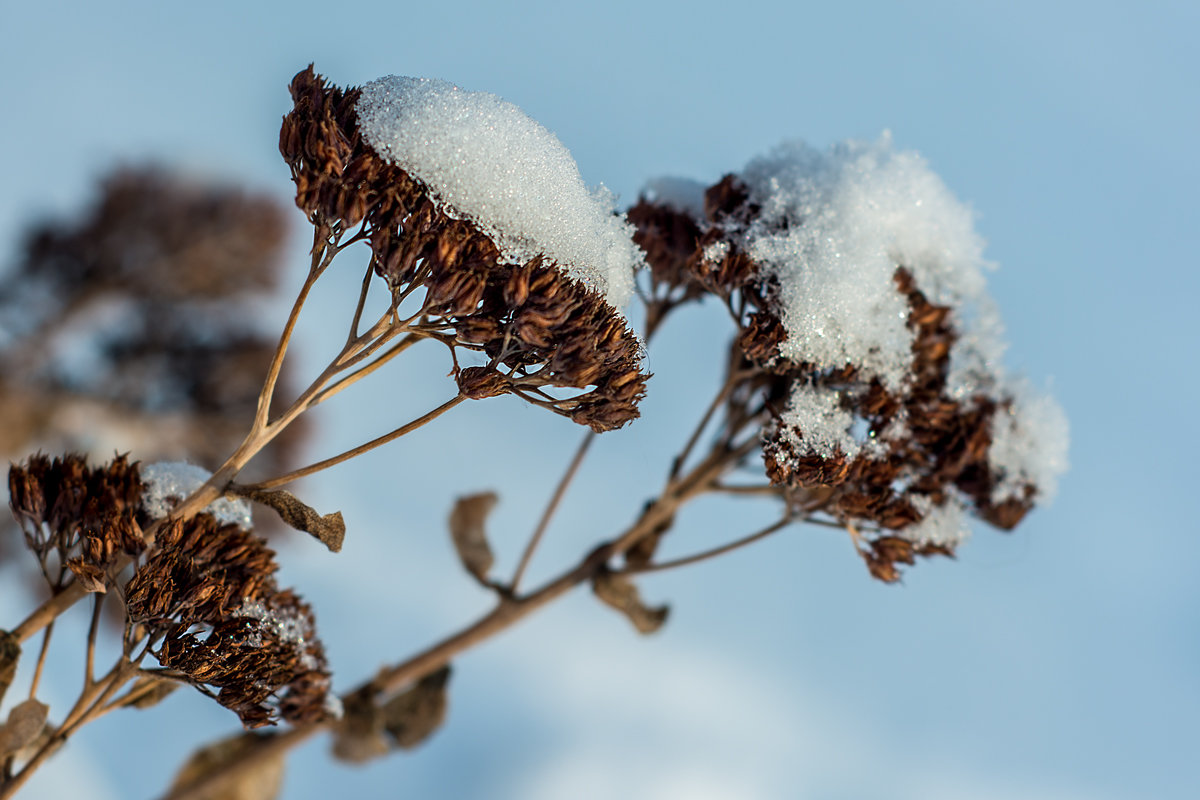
77 517
193 592
537 327
945 451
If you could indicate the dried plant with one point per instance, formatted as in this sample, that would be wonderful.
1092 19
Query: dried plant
862 391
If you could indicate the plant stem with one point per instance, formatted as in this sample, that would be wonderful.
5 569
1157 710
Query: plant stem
551 507
362 448
713 553
508 611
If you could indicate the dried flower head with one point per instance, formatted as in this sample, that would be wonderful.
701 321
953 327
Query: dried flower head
865 331
538 302
77 518
207 594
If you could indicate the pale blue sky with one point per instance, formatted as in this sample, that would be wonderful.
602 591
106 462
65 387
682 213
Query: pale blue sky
1057 662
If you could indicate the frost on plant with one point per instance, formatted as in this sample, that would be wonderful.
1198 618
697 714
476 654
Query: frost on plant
167 483
863 376
512 259
858 283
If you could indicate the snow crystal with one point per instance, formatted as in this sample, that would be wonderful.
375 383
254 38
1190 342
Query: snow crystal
834 227
485 160
941 525
715 253
814 423
167 483
681 194
287 625
1029 444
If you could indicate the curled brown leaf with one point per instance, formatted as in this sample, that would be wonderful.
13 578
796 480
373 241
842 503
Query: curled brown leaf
467 530
262 782
618 592
412 717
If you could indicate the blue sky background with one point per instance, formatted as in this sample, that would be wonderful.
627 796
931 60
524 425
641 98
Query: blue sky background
1060 661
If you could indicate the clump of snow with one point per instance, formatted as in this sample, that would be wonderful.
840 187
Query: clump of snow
682 194
167 483
1030 440
715 253
940 525
485 160
815 424
286 624
834 227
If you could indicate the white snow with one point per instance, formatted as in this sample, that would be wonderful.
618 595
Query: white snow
834 227
1029 444
815 424
943 525
485 160
284 624
167 483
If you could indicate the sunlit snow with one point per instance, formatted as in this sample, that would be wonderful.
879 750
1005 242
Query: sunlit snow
485 160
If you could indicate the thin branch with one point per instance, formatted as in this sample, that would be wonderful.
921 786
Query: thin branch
322 254
362 372
48 611
362 448
713 553
551 507
90 661
758 489
362 302
41 662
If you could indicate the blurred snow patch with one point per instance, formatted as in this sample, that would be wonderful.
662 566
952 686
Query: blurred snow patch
170 482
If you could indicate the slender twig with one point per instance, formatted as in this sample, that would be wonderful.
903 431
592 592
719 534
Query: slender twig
41 662
88 706
322 254
713 553
362 302
758 489
362 448
730 381
509 610
90 660
362 372
551 507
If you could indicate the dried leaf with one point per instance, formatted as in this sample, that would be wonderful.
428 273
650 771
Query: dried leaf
10 654
330 529
262 782
358 737
413 716
25 722
90 577
467 530
149 692
618 591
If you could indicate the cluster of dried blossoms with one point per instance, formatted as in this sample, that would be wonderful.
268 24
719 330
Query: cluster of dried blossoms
538 327
200 595
890 430
905 456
